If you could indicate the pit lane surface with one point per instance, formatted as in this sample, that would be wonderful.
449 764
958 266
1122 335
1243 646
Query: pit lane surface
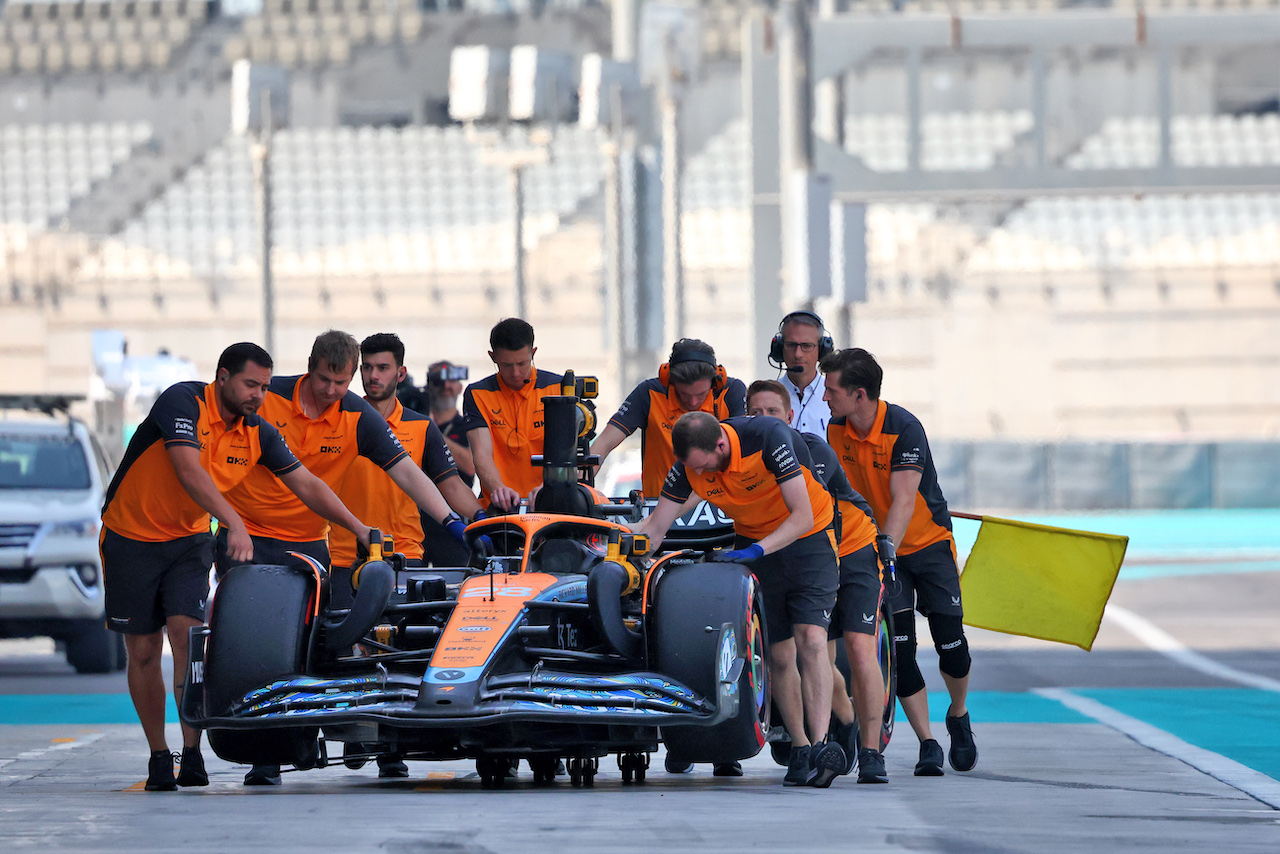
1165 737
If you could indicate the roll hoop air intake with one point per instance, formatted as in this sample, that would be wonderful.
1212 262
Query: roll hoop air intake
373 582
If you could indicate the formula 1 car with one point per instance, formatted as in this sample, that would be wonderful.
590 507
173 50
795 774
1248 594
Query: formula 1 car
567 641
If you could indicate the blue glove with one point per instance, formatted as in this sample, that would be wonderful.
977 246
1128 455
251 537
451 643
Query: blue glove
455 526
746 555
480 514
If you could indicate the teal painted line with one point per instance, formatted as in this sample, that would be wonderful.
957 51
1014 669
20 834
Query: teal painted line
1242 724
1000 707
72 709
1174 570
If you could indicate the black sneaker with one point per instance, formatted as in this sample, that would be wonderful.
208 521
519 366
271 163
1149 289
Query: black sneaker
263 775
192 771
846 735
930 764
391 766
827 761
727 769
676 766
871 766
160 772
963 753
797 767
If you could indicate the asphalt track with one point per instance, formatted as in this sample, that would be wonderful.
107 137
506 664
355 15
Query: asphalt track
1166 737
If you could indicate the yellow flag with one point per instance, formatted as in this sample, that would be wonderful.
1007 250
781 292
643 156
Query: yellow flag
1038 581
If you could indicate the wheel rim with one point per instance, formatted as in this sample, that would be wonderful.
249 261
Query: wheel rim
759 675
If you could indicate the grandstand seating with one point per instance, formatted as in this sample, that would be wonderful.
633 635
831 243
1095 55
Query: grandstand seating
56 36
949 141
43 168
355 202
302 34
1201 140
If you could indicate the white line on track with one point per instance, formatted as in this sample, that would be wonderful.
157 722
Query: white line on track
1253 783
1161 641
84 740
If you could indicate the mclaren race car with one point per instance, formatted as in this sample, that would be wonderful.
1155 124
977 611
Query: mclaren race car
566 641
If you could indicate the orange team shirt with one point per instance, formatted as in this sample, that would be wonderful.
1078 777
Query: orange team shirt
764 453
857 523
514 419
327 446
374 498
896 441
146 501
652 408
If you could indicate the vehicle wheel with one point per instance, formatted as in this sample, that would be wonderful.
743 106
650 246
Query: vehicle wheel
544 770
93 648
258 633
889 670
688 599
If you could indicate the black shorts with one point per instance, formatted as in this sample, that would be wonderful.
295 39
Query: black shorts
798 584
270 552
858 602
928 580
146 583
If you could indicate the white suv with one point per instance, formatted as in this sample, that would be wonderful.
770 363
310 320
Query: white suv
52 477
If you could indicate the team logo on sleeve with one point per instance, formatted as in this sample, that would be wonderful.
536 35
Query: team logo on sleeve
184 428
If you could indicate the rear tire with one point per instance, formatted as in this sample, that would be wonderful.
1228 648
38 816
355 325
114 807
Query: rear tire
258 633
93 648
688 600
889 671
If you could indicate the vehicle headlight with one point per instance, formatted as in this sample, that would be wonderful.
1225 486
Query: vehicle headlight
75 528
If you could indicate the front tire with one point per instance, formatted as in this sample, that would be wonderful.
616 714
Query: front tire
258 633
689 599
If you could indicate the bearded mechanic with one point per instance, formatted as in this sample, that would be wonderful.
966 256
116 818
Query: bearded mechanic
329 427
757 470
884 451
197 442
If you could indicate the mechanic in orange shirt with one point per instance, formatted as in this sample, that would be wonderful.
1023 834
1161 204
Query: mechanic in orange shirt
690 381
884 451
367 490
328 427
504 418
857 603
758 471
197 442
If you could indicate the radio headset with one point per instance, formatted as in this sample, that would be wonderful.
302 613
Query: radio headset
826 346
718 384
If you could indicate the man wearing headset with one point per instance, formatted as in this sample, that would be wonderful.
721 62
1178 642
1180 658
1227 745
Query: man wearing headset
690 381
801 342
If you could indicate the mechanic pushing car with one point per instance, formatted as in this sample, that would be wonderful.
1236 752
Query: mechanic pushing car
504 416
857 602
197 442
690 381
758 471
885 453
329 427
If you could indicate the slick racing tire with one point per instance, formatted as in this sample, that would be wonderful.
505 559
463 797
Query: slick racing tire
888 671
258 633
689 599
